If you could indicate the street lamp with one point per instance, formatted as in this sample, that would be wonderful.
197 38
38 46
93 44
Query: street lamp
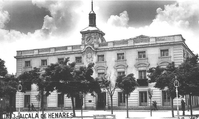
176 84
42 98
19 89
150 92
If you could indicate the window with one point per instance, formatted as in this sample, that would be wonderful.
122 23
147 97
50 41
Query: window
100 74
141 54
100 58
60 60
121 99
60 100
184 53
26 100
187 54
120 73
143 98
27 64
78 59
44 62
164 52
142 74
165 98
120 56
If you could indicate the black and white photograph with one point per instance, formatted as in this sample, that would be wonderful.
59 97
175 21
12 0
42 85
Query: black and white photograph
99 59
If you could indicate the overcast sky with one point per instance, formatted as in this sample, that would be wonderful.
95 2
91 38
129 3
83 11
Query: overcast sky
46 23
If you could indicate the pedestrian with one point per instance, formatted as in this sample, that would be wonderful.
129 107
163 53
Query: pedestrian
29 107
7 111
183 107
188 106
11 110
155 105
33 108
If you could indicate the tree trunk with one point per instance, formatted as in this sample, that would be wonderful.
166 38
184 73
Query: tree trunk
11 104
127 106
151 107
73 105
111 104
190 104
172 112
42 102
82 106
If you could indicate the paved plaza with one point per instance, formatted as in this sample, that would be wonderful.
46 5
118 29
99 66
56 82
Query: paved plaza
136 114
121 114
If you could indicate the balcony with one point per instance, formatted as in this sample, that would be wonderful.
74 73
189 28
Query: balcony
142 82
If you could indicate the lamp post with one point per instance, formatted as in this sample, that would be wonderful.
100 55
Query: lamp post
176 84
1 108
1 99
42 89
150 92
81 94
19 89
42 98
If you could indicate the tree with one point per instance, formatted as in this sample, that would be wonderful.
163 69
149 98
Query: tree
3 72
70 80
164 78
109 85
60 77
34 76
188 76
3 69
127 84
8 85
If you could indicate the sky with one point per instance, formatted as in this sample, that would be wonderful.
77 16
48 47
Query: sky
32 24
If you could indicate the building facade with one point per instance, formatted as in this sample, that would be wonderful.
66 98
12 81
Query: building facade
134 55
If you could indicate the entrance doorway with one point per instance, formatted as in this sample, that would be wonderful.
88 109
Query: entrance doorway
101 103
78 102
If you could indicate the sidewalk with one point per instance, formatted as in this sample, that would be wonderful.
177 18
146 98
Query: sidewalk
137 114
121 114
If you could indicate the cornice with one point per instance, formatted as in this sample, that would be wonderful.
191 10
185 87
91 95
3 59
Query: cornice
140 46
49 54
99 49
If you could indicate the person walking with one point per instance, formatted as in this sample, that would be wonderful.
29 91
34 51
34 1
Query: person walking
183 107
32 107
28 107
155 105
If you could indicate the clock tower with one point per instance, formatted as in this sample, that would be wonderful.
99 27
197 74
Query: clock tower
92 34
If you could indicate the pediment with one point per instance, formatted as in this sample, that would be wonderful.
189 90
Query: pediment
141 39
101 67
142 64
142 36
163 63
120 66
88 47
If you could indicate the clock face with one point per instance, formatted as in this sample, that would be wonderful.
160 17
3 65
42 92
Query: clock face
89 40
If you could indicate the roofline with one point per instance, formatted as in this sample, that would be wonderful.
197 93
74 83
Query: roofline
105 42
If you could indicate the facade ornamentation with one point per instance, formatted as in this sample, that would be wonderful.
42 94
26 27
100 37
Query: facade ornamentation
89 55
